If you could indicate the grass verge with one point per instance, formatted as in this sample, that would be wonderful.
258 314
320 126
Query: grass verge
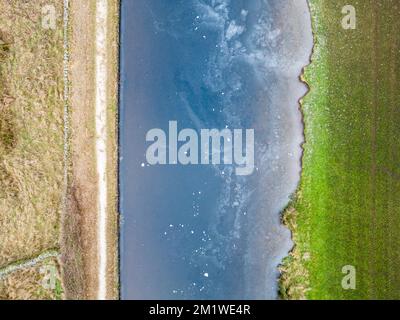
348 204
32 149
113 147
31 136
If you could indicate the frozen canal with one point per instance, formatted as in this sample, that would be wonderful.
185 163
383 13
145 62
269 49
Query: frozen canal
202 231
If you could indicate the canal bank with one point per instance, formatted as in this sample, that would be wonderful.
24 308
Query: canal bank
89 236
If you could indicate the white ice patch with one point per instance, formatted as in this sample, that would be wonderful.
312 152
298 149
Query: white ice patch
233 30
213 16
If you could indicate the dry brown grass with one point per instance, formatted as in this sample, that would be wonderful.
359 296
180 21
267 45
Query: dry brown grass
31 130
27 284
294 280
78 237
74 278
31 149
113 212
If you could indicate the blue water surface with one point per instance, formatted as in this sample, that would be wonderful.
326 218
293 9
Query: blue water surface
203 232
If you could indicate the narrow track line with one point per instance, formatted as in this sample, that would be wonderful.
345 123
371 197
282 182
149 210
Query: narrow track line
66 103
13 267
373 146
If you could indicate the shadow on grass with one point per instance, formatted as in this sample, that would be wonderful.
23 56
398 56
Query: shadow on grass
7 128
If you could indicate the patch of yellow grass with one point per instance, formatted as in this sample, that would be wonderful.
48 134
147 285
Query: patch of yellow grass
31 131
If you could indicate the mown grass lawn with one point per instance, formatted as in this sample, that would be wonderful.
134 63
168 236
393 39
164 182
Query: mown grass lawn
347 210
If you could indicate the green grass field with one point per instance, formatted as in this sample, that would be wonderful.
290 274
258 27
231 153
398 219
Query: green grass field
347 210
